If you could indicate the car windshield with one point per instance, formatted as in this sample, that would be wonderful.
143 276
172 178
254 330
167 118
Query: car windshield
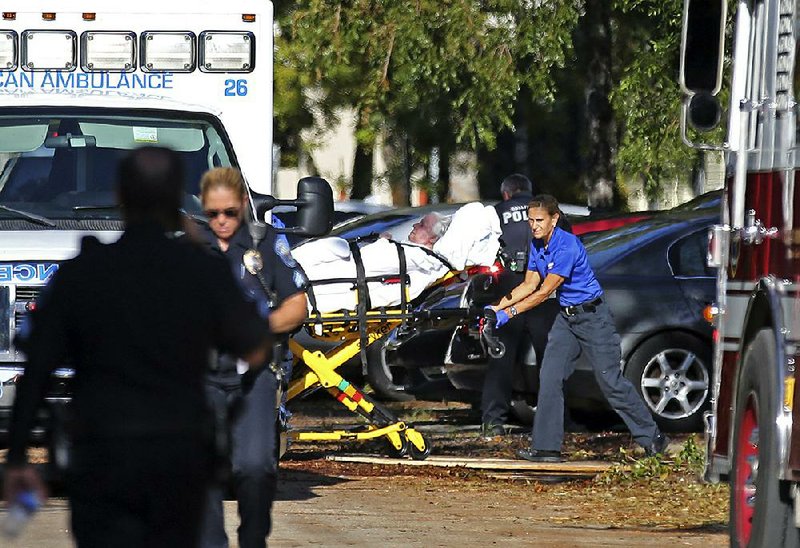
61 164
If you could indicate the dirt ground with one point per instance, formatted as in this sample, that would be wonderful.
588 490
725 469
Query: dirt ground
636 503
322 502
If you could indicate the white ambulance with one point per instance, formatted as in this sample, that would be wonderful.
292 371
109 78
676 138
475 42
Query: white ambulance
83 85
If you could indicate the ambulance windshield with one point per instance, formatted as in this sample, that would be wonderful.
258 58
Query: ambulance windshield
62 164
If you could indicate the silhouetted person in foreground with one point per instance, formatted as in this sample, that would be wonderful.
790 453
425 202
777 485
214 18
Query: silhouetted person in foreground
137 319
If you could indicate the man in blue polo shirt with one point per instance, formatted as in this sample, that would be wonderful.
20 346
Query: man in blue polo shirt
558 262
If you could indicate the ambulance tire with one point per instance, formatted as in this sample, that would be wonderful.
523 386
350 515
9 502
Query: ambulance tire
380 376
761 512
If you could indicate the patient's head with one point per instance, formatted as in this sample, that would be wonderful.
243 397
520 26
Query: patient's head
429 229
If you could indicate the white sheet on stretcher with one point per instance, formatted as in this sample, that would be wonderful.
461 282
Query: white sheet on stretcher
471 239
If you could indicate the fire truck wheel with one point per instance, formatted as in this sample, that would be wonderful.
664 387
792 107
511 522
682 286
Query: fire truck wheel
760 504
381 377
671 371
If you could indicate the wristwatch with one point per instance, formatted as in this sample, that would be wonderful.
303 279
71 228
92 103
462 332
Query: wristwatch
513 311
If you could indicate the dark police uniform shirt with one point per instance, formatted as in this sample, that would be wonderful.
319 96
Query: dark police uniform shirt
565 256
513 214
281 272
137 319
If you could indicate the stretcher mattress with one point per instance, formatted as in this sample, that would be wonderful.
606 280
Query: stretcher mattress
473 238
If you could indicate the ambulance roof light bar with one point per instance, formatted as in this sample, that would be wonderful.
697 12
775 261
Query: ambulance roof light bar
48 50
168 51
227 51
113 51
8 50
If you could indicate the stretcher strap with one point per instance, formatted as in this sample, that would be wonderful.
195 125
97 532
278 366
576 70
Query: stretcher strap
401 259
363 303
312 300
462 274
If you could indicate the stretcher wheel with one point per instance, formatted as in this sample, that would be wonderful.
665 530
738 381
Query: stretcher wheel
496 350
418 454
396 453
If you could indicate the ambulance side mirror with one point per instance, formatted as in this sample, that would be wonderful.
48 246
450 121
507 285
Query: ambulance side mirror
314 205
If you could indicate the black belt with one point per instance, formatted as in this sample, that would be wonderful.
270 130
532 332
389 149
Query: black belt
589 306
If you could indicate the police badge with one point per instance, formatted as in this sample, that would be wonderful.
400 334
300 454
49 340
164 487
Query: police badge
253 261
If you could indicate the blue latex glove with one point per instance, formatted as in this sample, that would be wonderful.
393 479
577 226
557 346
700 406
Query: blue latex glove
502 318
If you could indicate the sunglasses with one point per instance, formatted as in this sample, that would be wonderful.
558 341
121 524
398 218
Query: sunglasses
230 213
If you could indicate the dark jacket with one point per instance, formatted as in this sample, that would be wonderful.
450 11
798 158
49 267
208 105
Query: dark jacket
137 320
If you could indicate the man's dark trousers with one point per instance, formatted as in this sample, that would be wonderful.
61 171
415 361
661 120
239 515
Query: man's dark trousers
135 492
497 385
253 460
528 328
594 334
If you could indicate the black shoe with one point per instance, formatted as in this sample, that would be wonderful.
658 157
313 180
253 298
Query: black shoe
659 445
537 455
489 431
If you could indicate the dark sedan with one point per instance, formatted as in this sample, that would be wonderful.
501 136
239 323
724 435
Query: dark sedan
657 284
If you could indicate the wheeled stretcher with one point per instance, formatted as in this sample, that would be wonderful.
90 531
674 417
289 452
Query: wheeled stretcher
351 331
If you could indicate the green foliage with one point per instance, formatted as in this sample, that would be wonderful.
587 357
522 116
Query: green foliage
647 97
450 73
689 461
439 71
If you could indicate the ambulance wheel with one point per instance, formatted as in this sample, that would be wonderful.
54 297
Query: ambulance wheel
761 511
396 453
420 454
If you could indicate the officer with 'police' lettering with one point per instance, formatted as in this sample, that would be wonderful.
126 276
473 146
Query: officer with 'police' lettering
517 191
558 263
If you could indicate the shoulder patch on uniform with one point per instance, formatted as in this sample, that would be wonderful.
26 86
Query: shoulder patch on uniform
282 250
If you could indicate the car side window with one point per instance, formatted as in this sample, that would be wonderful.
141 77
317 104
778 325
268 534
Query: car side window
687 256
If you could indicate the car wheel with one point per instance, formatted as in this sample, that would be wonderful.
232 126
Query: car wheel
672 374
760 504
381 377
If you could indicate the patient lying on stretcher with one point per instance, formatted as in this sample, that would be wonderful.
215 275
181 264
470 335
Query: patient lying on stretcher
433 247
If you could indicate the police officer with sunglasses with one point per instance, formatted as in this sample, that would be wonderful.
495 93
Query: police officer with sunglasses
558 263
278 286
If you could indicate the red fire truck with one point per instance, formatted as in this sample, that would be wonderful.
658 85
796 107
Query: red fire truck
750 432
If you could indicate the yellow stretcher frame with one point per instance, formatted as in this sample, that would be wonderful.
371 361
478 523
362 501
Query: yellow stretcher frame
346 327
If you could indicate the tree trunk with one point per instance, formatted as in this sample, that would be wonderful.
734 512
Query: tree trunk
600 167
521 136
443 184
362 173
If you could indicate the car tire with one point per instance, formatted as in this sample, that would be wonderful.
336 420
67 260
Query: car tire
761 512
380 376
672 373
